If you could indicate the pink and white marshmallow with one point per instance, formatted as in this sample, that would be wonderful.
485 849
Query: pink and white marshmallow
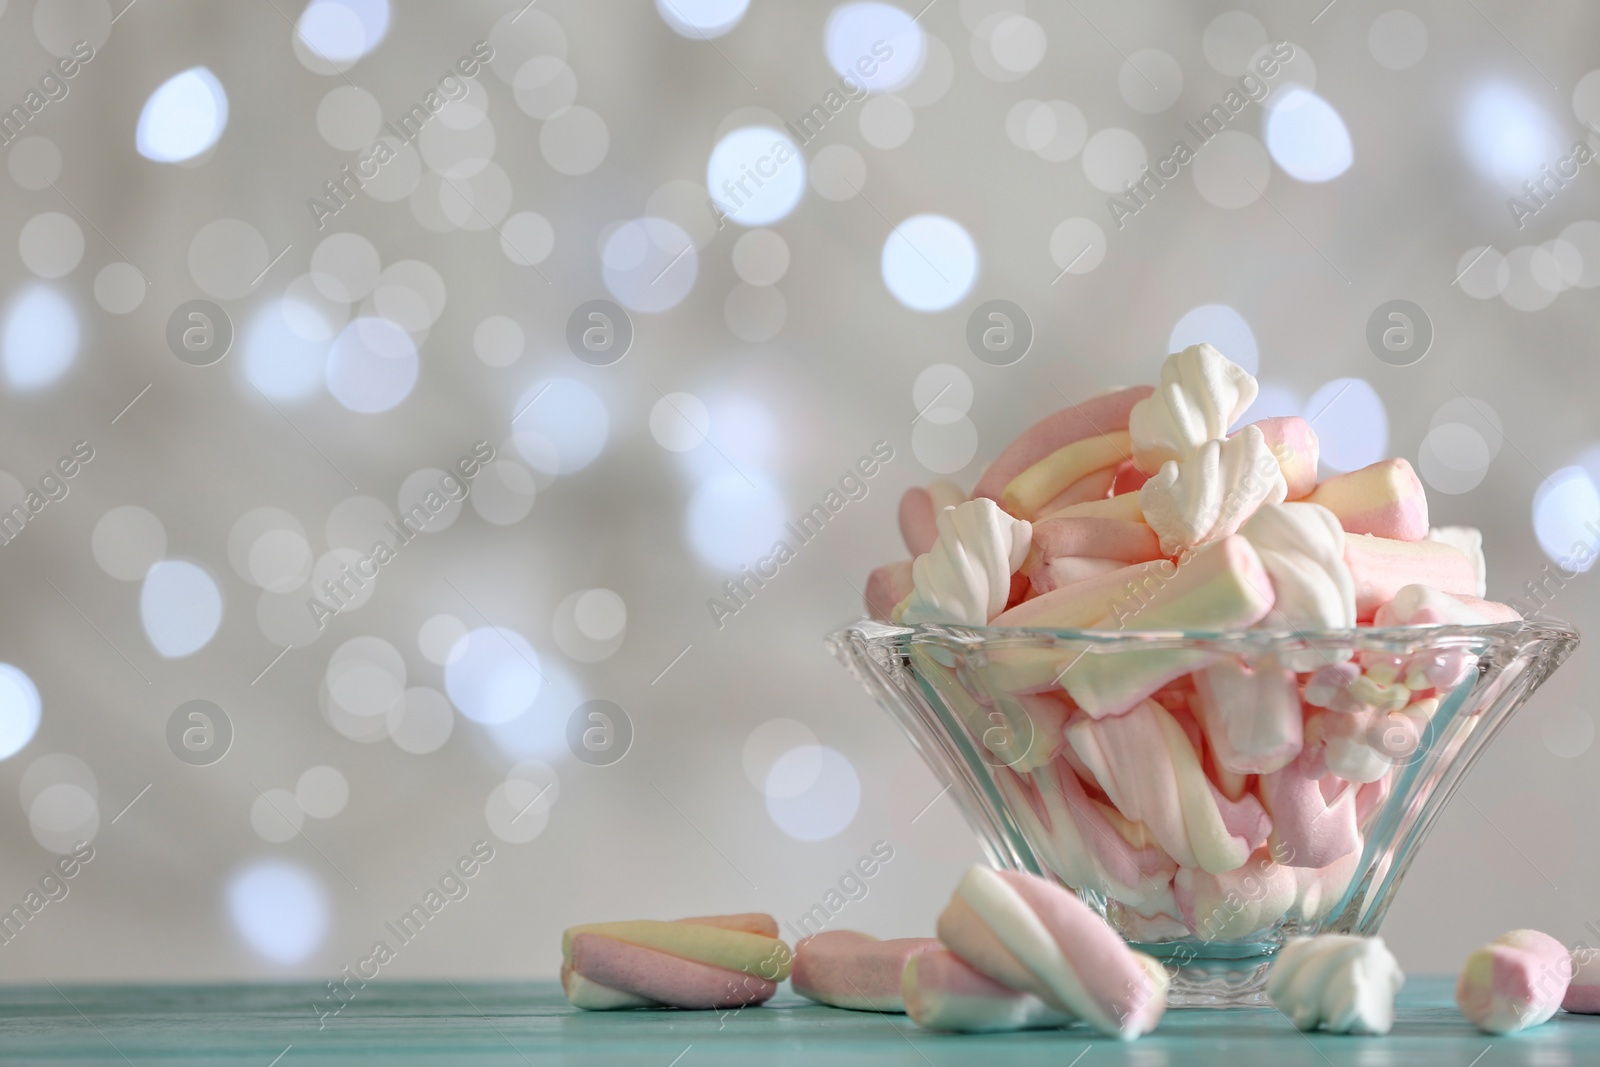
1516 981
1036 937
849 969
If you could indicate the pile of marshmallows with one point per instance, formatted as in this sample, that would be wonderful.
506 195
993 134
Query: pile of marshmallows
1017 952
1162 782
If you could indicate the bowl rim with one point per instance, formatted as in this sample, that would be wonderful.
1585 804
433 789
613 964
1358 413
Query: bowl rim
1252 639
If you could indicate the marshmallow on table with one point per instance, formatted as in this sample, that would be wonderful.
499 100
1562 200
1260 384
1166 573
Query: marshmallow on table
1149 769
1096 417
887 586
1516 981
1036 937
1201 393
1382 566
943 993
1583 992
1292 440
1221 587
1030 490
1385 500
1336 982
1252 717
848 969
919 511
720 961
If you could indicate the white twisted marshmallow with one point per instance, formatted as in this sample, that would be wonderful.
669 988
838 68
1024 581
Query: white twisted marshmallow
1200 395
1339 982
1211 493
965 578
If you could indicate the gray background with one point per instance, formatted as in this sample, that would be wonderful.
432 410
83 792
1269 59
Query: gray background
678 826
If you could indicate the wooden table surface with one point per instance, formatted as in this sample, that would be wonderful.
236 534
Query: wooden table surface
530 1023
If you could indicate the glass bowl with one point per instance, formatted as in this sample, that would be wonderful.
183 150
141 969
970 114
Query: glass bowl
1209 794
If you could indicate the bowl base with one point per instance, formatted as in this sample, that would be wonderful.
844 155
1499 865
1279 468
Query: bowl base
1230 982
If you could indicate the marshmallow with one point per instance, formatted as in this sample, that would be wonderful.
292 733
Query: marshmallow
1053 474
1095 486
943 993
1022 731
1036 937
1294 443
1319 892
1385 500
1125 507
1149 769
1221 587
887 586
1101 415
1200 395
966 577
706 962
1063 571
1236 905
1209 494
1085 602
1583 992
1252 717
1381 567
1313 816
1423 605
1090 845
848 969
919 512
1129 479
1336 982
1516 981
1302 548
1130 542
1469 539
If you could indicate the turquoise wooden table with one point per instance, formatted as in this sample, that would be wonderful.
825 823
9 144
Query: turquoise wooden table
526 1023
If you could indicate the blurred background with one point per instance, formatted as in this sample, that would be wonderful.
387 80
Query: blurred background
281 282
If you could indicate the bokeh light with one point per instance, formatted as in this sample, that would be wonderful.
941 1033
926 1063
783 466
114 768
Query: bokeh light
879 46
1508 135
1221 327
41 338
183 118
180 607
1351 422
702 19
825 805
372 365
20 710
342 31
494 675
1307 138
1566 513
560 426
756 175
929 262
280 909
734 520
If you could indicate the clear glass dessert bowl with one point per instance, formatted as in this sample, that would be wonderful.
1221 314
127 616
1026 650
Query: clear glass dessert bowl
1209 794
